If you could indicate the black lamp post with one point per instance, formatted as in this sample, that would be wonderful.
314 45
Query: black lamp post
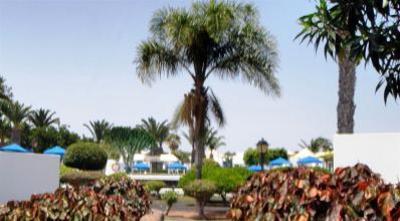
262 147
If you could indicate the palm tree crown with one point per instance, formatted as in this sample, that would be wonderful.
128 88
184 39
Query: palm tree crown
158 130
213 141
17 114
173 141
43 118
98 129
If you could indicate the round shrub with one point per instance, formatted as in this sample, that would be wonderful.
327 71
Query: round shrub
154 186
169 197
201 190
80 177
85 156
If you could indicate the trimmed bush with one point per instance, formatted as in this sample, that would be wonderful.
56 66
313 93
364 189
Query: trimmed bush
226 180
350 193
118 176
154 186
202 191
85 156
169 197
106 200
80 177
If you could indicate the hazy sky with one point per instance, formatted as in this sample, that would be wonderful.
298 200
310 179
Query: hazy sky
76 58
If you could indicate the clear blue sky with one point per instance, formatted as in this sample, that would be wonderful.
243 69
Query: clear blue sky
75 57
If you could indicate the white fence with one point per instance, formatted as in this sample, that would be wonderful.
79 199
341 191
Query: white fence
24 174
380 151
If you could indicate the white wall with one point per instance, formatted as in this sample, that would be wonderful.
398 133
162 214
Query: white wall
380 151
24 174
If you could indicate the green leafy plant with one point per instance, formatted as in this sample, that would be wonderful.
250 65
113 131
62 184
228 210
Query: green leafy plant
226 180
154 186
77 177
202 191
85 156
106 200
169 197
118 176
351 193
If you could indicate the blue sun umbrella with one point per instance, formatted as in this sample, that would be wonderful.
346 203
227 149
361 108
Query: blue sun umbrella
141 166
176 166
14 148
279 162
309 160
56 150
254 168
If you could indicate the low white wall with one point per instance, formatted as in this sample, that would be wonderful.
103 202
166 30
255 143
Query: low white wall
380 151
24 174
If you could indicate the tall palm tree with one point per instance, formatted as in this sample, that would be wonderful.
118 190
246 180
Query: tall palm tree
173 141
98 129
43 118
213 141
158 130
17 113
330 30
212 38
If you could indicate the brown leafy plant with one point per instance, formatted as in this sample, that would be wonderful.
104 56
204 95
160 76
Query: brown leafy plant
350 193
108 199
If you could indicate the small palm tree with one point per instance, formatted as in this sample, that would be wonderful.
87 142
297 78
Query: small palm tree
98 129
17 114
212 38
173 141
158 130
43 118
213 141
317 145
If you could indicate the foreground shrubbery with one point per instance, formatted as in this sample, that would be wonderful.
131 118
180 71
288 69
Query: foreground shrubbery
351 193
85 156
108 199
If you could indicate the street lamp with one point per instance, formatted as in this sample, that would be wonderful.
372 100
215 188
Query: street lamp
262 147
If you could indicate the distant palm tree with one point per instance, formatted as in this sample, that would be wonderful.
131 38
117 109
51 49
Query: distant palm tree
98 129
5 91
5 130
317 145
173 142
158 130
17 113
43 118
217 38
213 141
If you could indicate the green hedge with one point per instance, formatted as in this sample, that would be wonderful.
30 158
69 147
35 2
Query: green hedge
226 180
85 156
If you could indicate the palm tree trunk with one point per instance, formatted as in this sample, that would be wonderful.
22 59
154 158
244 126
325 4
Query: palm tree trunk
347 82
200 116
15 136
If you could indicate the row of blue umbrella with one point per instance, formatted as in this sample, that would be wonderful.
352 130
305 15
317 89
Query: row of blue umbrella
56 150
172 166
283 162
